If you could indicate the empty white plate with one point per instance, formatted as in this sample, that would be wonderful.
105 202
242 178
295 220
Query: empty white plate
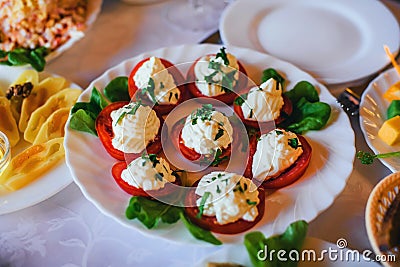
335 40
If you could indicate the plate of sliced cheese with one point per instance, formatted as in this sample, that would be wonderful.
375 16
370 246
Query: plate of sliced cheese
382 130
34 108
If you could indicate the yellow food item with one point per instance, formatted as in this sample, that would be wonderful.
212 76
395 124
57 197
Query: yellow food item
38 97
390 131
393 93
31 163
53 127
8 125
27 76
64 99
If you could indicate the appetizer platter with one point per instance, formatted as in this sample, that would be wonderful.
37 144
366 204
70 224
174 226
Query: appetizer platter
35 128
97 158
34 33
373 114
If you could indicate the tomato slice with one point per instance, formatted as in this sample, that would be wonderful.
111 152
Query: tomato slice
290 175
286 110
190 153
167 190
210 222
179 81
106 134
227 98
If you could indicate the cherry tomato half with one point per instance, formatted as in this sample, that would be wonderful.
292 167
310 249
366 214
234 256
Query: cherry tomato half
116 171
290 175
227 98
179 81
286 110
190 153
210 222
106 134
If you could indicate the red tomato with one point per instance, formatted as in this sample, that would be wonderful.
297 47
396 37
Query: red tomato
179 81
106 134
290 175
227 98
116 171
210 222
190 153
286 110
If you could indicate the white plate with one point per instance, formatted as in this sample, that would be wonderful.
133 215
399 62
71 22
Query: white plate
47 185
373 109
90 164
238 254
335 40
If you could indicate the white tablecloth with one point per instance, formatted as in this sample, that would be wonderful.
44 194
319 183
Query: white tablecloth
67 230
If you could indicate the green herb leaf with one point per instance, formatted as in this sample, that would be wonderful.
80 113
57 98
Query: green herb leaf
150 89
303 89
272 73
117 89
22 56
248 201
219 134
83 121
240 99
393 109
84 114
368 158
198 232
292 239
202 203
222 54
204 113
294 143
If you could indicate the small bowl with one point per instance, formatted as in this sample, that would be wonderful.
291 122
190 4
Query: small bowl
379 201
5 152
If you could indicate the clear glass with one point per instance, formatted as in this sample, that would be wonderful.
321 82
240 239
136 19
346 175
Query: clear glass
192 15
5 152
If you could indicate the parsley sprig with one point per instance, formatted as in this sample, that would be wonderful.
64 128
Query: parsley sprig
131 112
204 113
368 158
150 90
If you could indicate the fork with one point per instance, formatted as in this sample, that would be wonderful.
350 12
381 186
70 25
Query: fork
349 101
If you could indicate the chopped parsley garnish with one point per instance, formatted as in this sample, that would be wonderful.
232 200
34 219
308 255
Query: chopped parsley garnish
219 134
151 157
215 157
248 201
162 86
159 176
150 89
251 113
218 190
209 78
228 80
222 54
204 113
278 132
294 142
240 99
238 187
202 203
131 112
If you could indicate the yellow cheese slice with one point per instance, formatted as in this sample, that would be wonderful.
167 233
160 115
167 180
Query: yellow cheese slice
390 131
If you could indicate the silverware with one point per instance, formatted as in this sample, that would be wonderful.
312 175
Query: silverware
349 101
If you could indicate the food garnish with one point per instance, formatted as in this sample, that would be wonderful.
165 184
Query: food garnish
22 56
291 240
151 212
368 158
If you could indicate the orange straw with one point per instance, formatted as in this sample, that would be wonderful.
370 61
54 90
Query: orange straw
392 59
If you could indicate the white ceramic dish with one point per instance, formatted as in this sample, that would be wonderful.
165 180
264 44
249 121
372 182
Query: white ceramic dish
378 203
373 113
335 40
47 185
238 254
90 164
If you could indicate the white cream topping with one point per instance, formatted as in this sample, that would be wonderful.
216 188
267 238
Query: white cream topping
209 135
148 173
263 103
202 69
165 90
276 151
228 196
133 132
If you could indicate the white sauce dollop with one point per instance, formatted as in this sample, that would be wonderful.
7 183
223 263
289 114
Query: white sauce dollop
276 151
165 90
264 103
140 173
202 69
229 197
133 132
